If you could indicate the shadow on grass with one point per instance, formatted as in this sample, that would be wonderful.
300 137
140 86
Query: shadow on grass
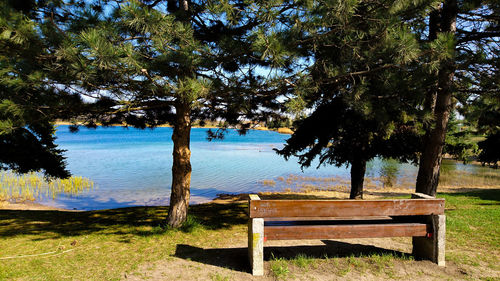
478 193
133 220
237 258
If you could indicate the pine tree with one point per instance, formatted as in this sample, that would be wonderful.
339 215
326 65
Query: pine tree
360 78
459 140
484 114
463 39
30 95
458 59
153 62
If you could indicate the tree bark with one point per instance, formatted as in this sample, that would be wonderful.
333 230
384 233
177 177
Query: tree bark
358 168
430 159
181 167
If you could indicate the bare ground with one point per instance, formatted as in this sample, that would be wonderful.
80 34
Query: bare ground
329 260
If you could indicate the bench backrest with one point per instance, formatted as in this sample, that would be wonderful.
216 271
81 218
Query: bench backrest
344 208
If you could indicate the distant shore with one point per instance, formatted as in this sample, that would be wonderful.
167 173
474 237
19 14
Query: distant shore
259 128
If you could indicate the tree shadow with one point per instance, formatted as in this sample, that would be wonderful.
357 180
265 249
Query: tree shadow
480 193
70 223
237 258
142 221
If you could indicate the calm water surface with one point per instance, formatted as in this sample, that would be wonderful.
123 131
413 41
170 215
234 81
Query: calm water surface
132 167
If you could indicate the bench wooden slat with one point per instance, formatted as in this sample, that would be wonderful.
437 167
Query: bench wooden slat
339 221
343 208
345 231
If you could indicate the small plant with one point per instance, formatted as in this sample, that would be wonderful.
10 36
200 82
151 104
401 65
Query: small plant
303 261
407 257
191 225
357 263
279 267
384 262
343 272
352 260
158 230
219 277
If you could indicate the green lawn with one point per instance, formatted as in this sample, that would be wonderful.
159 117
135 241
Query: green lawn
473 227
105 245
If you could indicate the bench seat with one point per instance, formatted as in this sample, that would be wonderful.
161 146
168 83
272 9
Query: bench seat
421 218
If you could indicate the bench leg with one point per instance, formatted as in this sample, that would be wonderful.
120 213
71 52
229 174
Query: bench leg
256 245
432 248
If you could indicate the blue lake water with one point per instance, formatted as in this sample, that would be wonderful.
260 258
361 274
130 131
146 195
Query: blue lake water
132 167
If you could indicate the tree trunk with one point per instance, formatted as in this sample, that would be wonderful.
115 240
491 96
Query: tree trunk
430 159
358 168
181 167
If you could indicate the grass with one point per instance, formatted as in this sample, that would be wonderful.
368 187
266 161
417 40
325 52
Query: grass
32 186
104 244
303 261
279 268
473 223
219 277
487 177
107 244
474 217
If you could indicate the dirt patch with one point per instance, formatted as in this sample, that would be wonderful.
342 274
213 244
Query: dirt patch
347 259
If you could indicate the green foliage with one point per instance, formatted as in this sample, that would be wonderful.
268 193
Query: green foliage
442 49
459 141
389 172
143 60
483 113
350 70
279 267
490 153
303 261
31 97
340 135
279 123
191 225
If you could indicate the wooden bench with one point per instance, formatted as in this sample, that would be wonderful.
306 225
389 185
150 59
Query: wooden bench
421 217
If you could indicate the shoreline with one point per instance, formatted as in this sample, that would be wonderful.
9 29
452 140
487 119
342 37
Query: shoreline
369 193
30 206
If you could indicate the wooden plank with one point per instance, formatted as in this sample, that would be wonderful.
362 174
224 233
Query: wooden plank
344 208
421 196
334 222
326 218
295 232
